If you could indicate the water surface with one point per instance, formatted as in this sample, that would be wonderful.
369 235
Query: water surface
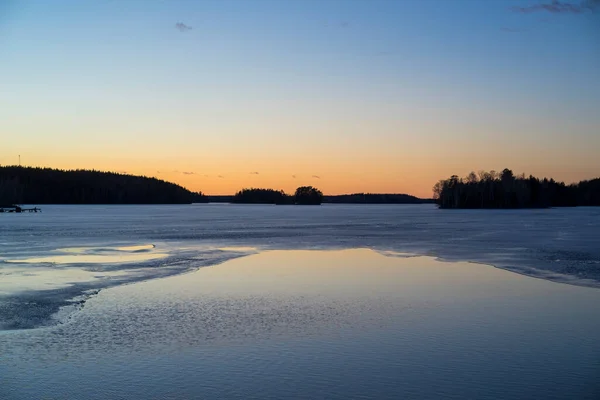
318 324
53 260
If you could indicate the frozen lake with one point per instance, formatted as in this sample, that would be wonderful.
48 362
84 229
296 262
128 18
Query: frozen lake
49 259
304 302
318 324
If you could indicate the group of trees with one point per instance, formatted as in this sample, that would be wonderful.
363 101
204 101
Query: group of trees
305 195
262 196
26 185
505 190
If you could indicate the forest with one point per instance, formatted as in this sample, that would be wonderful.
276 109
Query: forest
505 190
27 185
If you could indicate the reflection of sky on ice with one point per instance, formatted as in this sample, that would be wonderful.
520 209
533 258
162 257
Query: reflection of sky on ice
334 324
69 266
15 280
90 258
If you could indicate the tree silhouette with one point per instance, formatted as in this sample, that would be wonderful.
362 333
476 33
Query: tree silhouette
308 195
504 190
303 195
261 196
26 185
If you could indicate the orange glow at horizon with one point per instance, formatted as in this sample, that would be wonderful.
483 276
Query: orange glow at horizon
333 178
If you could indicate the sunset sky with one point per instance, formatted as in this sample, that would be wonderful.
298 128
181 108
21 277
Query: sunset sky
346 95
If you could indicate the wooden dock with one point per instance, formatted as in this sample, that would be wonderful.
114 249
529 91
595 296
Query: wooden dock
18 209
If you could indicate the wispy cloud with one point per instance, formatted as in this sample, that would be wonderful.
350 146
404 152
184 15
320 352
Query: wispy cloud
560 7
183 27
220 176
316 176
254 173
294 176
188 173
513 30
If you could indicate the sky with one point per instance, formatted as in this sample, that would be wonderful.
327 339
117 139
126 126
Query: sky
345 95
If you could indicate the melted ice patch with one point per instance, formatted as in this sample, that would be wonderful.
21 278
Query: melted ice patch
14 280
96 255
240 249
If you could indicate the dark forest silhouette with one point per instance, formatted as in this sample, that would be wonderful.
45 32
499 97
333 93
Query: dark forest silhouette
26 185
505 190
355 198
261 196
308 195
304 195
375 198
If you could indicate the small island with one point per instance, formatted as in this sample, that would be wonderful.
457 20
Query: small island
304 195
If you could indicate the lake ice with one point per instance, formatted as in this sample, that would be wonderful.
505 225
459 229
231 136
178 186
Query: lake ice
332 301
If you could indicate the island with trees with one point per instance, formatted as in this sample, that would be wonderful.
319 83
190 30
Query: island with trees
304 195
309 195
505 190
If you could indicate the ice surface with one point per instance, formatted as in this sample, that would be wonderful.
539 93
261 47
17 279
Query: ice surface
113 245
349 324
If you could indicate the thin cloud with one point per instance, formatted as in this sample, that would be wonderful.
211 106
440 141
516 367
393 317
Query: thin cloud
188 173
316 176
560 7
294 176
254 173
183 27
513 30
220 176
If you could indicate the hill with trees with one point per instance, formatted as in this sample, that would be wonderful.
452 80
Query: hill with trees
27 185
505 190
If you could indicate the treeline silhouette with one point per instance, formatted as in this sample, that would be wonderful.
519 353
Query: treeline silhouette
27 185
304 195
375 198
505 190
261 196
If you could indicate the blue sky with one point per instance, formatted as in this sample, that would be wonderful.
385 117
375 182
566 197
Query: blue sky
378 93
